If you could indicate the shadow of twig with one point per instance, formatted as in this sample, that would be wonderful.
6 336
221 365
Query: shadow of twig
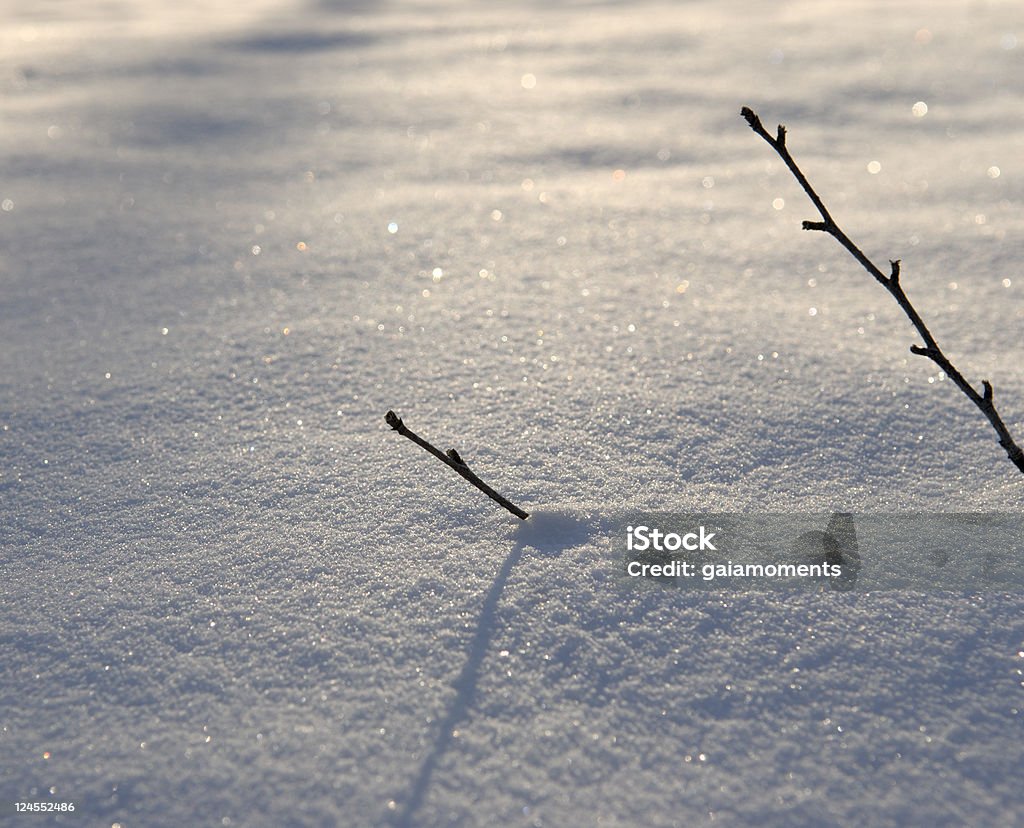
465 689
547 533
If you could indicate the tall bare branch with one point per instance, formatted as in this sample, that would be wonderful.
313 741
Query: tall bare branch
891 283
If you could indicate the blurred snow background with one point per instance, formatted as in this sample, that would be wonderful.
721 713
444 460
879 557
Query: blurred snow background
232 237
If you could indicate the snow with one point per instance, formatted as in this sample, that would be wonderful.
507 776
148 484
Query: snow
231 238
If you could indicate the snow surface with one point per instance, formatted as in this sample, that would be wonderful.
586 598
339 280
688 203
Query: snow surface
232 596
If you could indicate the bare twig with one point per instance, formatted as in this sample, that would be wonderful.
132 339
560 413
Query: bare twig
453 459
891 283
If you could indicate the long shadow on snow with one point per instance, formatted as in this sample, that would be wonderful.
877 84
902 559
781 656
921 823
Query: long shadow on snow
545 532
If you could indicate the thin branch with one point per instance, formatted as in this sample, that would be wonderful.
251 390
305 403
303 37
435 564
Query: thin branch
891 283
453 460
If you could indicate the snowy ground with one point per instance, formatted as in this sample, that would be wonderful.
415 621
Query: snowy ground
231 239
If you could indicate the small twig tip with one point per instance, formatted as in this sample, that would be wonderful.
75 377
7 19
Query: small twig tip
452 459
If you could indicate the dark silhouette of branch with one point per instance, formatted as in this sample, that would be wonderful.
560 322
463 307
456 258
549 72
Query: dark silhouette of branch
453 459
891 283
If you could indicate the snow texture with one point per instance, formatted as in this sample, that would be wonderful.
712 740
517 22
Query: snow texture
233 235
